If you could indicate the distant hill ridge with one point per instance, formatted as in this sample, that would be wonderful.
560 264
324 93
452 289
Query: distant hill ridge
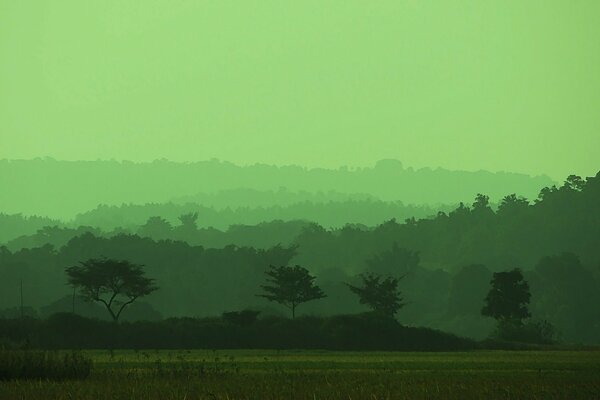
61 189
252 198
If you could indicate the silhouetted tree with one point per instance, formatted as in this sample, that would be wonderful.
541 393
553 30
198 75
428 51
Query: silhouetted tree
291 286
575 183
156 228
511 205
188 221
482 202
381 295
188 230
114 283
508 299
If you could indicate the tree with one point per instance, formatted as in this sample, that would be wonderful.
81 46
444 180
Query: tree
189 221
156 228
291 286
511 205
508 299
188 229
482 202
114 283
575 183
381 295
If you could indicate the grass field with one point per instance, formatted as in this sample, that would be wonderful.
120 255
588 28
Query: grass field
256 374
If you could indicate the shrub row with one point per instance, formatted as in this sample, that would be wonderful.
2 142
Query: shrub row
343 332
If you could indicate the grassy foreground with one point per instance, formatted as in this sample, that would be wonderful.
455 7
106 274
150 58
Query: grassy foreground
256 374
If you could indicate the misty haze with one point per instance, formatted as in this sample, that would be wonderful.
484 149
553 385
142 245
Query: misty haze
299 200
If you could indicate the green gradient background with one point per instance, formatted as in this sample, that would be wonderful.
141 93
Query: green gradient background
498 85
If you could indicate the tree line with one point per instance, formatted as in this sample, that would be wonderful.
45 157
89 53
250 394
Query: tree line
516 231
446 263
118 283
161 181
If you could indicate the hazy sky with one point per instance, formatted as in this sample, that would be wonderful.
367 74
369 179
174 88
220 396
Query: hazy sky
498 85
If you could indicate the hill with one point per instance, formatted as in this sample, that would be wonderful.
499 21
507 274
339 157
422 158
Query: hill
61 189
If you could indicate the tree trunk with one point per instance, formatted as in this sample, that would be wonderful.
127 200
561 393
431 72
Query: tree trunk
112 314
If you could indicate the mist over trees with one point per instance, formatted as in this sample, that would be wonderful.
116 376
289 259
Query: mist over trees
161 181
447 262
16 225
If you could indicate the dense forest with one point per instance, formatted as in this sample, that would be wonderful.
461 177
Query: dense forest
445 262
130 217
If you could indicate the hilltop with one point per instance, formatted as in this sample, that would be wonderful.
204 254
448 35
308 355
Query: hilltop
62 189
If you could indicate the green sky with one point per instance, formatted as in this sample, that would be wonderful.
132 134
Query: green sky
499 85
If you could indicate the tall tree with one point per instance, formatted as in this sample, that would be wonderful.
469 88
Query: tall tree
508 298
290 286
381 295
114 283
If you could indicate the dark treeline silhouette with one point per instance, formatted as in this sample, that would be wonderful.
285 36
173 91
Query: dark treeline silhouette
518 233
445 263
329 213
343 332
193 280
161 181
15 225
216 227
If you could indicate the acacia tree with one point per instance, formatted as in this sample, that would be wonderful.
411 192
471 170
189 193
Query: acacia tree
508 298
114 283
290 286
381 295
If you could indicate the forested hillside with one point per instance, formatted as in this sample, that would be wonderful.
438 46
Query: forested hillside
446 261
71 187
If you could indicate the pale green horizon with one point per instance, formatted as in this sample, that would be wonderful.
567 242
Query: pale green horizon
466 85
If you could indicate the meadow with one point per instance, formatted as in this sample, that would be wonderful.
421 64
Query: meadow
272 374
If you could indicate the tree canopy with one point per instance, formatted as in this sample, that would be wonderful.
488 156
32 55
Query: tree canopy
290 286
508 298
114 283
380 294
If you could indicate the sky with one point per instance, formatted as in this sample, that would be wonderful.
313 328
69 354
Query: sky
506 85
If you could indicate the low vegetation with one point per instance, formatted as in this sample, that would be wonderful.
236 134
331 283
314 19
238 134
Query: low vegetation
367 331
276 374
46 365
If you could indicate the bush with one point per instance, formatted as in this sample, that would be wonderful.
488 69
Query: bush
8 344
366 331
242 318
537 332
28 364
